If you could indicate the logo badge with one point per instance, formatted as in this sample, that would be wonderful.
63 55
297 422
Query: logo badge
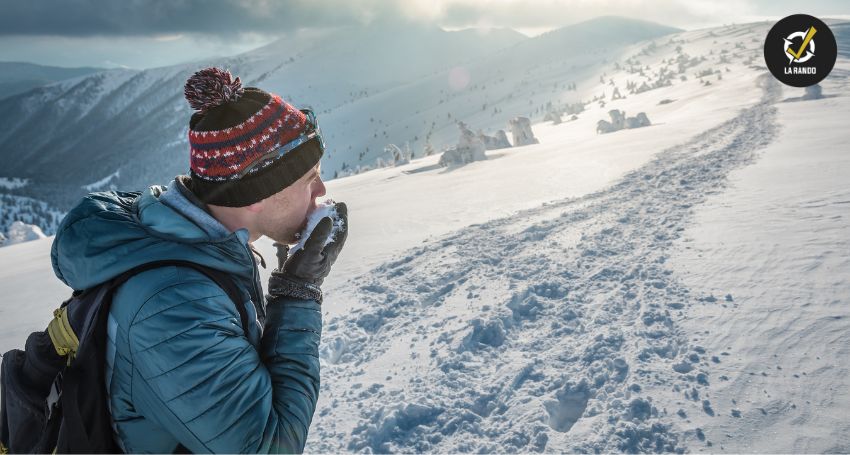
800 50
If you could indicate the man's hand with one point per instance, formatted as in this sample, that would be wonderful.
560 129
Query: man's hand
302 274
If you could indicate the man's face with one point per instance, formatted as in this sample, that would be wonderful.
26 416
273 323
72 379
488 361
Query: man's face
285 213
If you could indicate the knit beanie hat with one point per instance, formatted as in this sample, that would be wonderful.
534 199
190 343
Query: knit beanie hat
246 144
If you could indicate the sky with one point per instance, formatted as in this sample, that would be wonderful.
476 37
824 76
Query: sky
151 33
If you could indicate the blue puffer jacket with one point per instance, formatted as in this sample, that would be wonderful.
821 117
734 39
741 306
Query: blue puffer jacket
180 369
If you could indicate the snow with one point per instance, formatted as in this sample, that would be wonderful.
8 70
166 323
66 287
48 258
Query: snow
13 183
778 243
521 131
677 287
19 232
470 148
29 211
324 209
406 205
101 184
30 291
93 88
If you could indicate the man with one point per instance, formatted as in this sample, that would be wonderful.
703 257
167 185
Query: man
182 372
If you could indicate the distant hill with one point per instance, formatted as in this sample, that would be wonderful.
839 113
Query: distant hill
18 77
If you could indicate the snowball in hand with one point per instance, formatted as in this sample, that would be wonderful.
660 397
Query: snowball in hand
323 209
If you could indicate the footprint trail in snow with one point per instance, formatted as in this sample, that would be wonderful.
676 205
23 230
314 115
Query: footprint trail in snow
548 330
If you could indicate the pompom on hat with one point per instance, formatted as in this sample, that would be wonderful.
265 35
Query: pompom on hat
246 144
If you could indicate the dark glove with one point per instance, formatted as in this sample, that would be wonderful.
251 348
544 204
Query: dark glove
301 275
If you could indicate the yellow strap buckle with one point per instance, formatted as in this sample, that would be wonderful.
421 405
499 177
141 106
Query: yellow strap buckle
64 339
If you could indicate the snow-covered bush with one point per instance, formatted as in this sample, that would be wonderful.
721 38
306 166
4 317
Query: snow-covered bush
469 148
553 116
20 232
398 155
521 132
619 121
638 121
499 141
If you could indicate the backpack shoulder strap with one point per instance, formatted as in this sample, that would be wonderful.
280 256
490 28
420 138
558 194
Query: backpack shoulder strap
220 278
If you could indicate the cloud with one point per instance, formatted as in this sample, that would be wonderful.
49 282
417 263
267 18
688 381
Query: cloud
275 17
555 13
148 17
171 37
225 17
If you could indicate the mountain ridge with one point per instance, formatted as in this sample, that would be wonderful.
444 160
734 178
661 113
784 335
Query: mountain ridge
370 86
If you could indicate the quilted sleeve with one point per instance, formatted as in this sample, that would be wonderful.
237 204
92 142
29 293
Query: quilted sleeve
199 378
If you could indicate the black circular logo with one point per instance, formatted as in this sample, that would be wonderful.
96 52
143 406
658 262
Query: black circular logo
800 50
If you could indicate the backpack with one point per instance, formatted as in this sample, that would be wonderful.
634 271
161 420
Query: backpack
53 396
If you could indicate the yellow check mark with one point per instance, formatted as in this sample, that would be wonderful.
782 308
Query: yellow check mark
809 35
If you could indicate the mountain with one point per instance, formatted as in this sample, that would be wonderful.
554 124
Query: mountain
372 86
138 119
19 77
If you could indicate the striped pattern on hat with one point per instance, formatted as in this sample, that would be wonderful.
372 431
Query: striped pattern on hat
221 155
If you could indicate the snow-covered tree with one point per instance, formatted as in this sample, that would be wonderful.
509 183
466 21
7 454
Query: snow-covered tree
521 131
469 148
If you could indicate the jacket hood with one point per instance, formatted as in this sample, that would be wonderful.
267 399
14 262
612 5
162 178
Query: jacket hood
108 233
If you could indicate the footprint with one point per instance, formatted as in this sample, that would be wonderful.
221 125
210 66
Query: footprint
569 407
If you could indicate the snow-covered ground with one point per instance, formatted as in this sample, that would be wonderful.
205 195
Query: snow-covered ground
551 327
11 184
682 286
778 242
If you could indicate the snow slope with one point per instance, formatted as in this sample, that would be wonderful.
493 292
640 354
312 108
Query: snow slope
571 295
405 205
566 327
19 77
544 329
778 242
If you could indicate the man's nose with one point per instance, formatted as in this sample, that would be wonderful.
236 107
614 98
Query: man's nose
321 190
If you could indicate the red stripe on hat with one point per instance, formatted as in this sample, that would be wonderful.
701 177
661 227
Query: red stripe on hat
229 161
